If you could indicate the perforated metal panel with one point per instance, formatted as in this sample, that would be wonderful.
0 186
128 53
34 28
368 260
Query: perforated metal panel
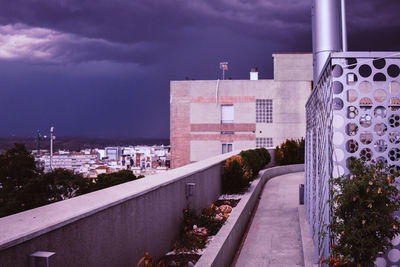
352 112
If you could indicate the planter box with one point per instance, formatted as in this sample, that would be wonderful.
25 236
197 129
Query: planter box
223 247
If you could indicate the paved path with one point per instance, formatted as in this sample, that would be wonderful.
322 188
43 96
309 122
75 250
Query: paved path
274 237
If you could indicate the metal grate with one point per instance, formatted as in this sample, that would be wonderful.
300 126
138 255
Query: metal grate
264 110
352 112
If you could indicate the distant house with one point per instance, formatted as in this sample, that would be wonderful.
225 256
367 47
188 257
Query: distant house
101 170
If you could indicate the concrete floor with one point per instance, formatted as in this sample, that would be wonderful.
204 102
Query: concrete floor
274 237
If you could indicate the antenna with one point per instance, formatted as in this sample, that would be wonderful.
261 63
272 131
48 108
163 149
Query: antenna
224 67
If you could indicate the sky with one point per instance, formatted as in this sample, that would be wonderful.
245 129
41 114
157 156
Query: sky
102 68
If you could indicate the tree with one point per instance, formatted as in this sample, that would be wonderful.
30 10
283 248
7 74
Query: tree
105 180
290 152
23 186
63 184
17 169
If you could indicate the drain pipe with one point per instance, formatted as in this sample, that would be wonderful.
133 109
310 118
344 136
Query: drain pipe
216 92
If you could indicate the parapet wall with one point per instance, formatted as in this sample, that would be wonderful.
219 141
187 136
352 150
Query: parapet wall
113 226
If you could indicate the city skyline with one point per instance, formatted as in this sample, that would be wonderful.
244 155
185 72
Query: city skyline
103 68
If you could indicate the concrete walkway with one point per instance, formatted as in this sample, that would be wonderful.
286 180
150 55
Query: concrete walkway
274 237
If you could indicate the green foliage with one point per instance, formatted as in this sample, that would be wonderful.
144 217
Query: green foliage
363 205
290 152
63 184
23 186
207 219
255 159
236 176
110 179
18 174
241 169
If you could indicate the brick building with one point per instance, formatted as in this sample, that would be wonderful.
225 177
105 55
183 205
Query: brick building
217 116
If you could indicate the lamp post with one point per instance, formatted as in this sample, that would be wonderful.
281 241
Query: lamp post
51 147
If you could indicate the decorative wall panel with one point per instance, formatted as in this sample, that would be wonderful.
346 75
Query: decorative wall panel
352 112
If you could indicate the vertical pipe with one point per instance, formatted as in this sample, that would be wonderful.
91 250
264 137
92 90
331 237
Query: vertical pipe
327 35
344 26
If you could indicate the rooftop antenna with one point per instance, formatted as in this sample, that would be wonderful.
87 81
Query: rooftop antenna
224 67
51 147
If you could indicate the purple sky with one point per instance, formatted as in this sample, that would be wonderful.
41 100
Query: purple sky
103 67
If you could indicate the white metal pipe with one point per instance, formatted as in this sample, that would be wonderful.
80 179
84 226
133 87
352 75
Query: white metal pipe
344 26
327 32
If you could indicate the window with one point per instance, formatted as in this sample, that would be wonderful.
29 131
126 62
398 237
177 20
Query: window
227 114
227 147
264 142
264 110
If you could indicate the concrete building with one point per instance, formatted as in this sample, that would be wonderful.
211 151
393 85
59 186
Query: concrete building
213 117
73 161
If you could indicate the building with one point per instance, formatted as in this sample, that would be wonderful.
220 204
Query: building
213 117
73 161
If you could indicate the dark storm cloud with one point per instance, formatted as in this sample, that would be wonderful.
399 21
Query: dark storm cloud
105 65
41 45
373 25
148 20
133 31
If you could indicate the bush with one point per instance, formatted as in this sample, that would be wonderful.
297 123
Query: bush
255 160
236 176
290 152
105 180
362 222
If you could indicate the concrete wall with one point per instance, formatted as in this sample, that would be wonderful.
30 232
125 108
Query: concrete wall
292 66
114 226
200 150
225 244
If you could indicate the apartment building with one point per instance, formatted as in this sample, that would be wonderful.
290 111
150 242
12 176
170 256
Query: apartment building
75 161
218 116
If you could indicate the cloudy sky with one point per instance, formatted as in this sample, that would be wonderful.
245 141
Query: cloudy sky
102 68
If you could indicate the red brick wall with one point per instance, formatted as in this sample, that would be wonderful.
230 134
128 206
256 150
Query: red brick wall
180 127
223 99
223 137
225 127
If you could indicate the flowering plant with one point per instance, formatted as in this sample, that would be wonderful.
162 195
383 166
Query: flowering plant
362 214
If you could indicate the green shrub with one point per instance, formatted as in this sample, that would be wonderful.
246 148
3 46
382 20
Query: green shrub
362 208
290 152
255 160
236 176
